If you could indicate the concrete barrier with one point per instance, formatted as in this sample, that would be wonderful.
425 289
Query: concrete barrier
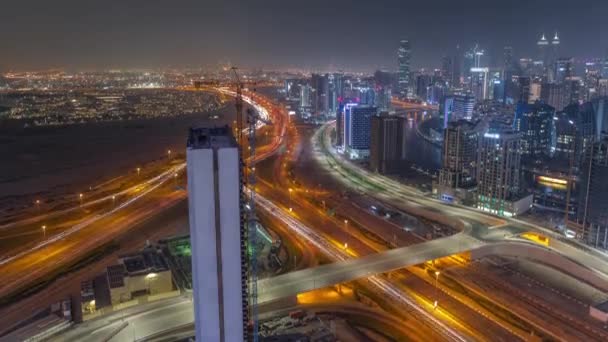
125 305
164 295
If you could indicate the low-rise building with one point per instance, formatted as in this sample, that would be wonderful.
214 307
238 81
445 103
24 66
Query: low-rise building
143 273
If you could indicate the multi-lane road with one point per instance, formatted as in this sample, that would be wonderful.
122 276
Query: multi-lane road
476 224
337 243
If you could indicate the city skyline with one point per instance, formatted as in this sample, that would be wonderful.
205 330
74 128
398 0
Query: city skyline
313 36
323 170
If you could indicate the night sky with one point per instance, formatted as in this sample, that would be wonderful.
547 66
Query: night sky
312 34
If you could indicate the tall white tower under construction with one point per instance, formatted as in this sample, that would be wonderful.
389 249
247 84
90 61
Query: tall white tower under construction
218 235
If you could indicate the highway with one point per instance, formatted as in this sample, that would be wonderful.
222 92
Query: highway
476 224
71 234
175 314
336 252
475 234
352 269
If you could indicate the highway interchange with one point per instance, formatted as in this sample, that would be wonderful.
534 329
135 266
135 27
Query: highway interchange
339 242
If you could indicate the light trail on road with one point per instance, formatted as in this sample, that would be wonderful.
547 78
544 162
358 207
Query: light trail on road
336 253
159 180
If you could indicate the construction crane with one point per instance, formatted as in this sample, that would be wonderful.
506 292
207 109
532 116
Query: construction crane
239 106
252 221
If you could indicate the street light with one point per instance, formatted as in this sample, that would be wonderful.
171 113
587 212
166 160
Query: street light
138 170
345 246
346 225
38 204
114 200
436 288
44 232
290 191
80 197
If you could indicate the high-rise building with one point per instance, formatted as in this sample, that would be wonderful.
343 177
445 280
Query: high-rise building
404 55
320 100
575 129
602 87
543 53
436 92
340 126
534 122
367 96
457 64
478 54
572 90
498 174
357 129
446 110
554 95
447 69
334 93
563 69
479 83
600 112
463 105
423 82
509 68
383 98
292 89
218 235
565 136
459 162
593 201
535 92
508 62
548 52
387 145
496 85
523 85
305 96
591 80
553 54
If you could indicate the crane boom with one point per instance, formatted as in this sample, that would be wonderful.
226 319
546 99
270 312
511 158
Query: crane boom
251 219
239 106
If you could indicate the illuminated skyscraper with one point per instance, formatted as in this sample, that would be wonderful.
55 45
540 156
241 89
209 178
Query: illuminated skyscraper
563 69
320 100
508 71
357 129
305 96
387 145
543 52
553 55
480 83
498 174
593 202
554 95
404 55
459 161
535 123
218 236
462 108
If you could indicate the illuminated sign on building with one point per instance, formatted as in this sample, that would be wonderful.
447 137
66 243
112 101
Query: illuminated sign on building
552 180
492 135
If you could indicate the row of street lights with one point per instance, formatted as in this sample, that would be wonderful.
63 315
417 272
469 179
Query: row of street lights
81 196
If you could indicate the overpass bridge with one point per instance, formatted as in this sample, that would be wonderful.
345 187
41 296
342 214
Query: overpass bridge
290 284
293 283
176 313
